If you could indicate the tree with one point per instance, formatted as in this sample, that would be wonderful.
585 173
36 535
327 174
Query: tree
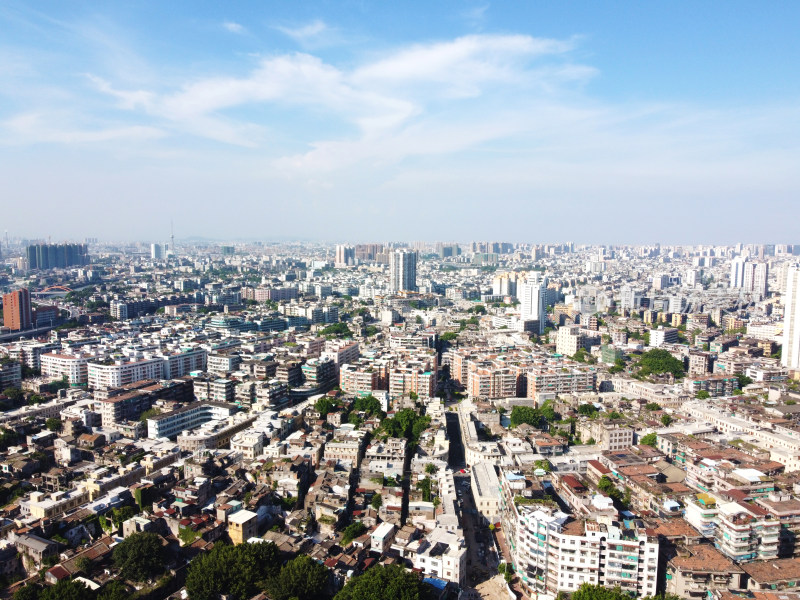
302 578
413 396
587 410
238 571
29 592
67 589
658 361
652 406
13 394
702 395
140 557
377 502
84 565
53 424
744 380
666 420
588 591
149 414
114 590
323 406
431 469
354 530
649 440
337 330
613 415
122 514
448 336
526 414
381 581
544 465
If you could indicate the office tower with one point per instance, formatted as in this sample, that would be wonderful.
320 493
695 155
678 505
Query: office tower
156 251
790 353
737 272
505 284
54 256
755 278
403 271
533 300
345 256
749 276
17 310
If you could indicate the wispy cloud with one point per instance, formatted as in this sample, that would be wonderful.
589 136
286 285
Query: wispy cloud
234 27
314 35
475 15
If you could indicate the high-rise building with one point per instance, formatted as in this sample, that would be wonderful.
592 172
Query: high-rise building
54 256
403 271
345 256
17 310
790 353
533 300
156 251
755 278
749 276
737 272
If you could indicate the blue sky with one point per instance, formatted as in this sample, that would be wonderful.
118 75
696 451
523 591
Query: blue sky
614 122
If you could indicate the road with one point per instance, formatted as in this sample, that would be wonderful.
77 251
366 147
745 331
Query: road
481 557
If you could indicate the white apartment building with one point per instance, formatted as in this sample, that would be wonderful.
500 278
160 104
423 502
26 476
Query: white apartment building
250 443
552 553
402 271
663 335
120 372
442 554
569 340
73 366
790 354
533 300
486 491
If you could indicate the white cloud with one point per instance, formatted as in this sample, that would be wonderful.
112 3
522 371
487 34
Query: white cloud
306 34
234 27
38 128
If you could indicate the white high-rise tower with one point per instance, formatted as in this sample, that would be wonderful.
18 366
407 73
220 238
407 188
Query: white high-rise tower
790 352
403 271
533 299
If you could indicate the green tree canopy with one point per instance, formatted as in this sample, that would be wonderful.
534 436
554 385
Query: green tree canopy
448 336
239 571
658 361
337 330
431 469
666 420
28 592
53 424
702 395
67 589
140 557
324 406
587 591
587 410
354 530
526 414
652 406
377 501
302 578
381 581
649 440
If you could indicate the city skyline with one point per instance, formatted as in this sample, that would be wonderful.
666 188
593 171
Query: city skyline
350 122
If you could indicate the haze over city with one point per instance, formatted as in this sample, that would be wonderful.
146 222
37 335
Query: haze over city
362 120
